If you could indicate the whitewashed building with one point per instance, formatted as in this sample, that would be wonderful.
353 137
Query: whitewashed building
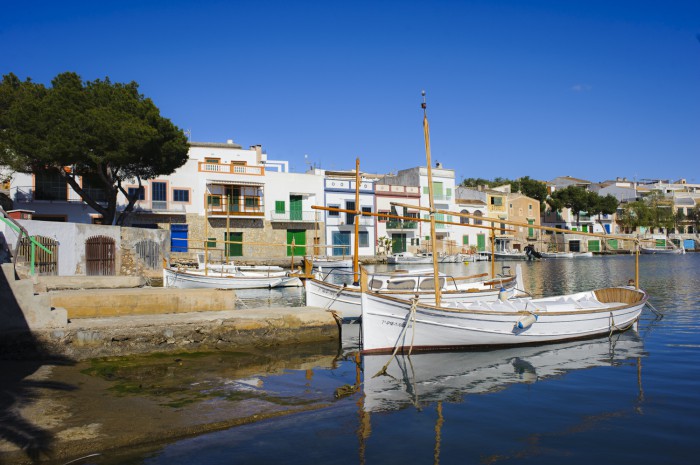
404 234
339 192
447 236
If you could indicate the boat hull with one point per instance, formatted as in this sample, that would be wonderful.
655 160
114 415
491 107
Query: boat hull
342 263
347 301
184 280
484 325
557 254
651 250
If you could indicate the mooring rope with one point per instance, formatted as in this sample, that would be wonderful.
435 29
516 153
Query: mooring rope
653 309
412 317
335 297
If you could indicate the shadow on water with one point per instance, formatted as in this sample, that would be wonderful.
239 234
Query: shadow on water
21 356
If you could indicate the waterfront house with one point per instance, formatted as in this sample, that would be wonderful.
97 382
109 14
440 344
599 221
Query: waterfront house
404 234
339 192
443 193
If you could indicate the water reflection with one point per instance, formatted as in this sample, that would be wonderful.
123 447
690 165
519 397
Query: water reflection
424 378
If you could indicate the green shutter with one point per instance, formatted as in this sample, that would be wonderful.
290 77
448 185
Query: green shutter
211 243
426 190
448 191
481 242
465 240
279 206
234 250
594 246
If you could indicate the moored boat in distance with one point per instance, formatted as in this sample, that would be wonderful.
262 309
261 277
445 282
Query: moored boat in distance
409 258
557 254
662 250
331 262
227 280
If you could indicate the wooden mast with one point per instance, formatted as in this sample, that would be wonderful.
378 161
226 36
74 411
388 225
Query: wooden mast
358 214
426 134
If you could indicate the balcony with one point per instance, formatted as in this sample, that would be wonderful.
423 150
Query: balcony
399 224
205 167
49 193
235 206
295 216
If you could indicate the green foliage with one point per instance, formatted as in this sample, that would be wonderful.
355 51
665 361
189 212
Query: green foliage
527 186
102 130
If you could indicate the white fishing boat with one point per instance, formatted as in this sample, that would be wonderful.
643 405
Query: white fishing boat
227 280
409 258
557 254
243 270
662 250
452 258
345 299
331 262
508 254
389 322
583 254
423 378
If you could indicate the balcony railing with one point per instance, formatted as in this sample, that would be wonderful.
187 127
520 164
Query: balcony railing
235 206
294 215
59 193
393 224
231 168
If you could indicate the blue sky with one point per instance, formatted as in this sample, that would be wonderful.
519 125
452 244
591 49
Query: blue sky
592 89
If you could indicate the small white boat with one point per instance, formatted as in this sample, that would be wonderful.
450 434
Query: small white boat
662 250
388 322
557 254
346 299
225 280
243 270
423 378
331 262
510 255
583 254
408 258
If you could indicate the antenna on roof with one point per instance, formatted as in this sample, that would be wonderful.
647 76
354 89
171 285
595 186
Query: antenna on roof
188 133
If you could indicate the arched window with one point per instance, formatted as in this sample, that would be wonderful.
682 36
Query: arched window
478 213
463 220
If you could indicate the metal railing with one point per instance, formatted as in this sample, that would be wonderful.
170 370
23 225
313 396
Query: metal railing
231 168
244 205
399 224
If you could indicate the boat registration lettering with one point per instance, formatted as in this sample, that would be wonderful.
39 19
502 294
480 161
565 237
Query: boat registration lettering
393 323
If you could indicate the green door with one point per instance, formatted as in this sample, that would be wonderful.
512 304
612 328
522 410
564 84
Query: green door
234 250
584 228
299 238
594 246
481 242
398 244
530 231
612 243
233 195
295 202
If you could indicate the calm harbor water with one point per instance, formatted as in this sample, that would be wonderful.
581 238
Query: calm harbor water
634 398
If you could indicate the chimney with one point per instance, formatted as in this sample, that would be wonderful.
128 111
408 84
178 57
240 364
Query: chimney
438 165
229 141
